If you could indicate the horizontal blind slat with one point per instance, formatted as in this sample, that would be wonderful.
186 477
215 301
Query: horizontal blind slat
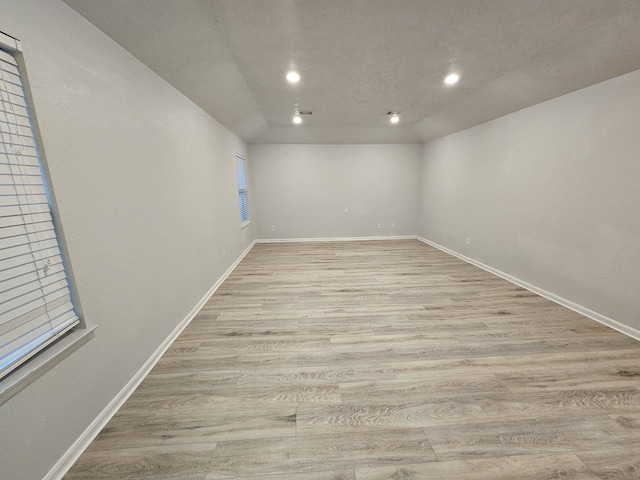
22 341
55 268
53 284
17 321
21 305
64 319
39 208
39 251
39 231
61 308
22 200
8 263
11 87
12 109
56 296
17 272
12 118
20 295
15 220
7 58
10 190
29 155
21 179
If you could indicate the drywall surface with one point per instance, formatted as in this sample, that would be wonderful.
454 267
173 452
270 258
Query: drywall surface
549 194
145 187
303 190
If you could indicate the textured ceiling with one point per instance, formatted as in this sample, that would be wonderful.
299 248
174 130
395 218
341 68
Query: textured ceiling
360 59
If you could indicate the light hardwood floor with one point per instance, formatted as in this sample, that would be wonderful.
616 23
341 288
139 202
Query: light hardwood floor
378 360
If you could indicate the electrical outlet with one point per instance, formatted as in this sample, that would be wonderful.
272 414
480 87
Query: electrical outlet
393 224
224 254
468 242
346 210
273 228
379 225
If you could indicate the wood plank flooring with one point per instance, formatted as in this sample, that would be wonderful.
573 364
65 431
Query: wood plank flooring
378 360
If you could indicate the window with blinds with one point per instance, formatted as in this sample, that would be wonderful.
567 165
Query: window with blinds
242 188
35 299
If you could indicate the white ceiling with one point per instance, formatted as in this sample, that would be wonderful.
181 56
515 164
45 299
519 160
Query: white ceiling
360 59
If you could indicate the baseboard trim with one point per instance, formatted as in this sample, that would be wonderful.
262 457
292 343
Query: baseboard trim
80 445
334 239
598 317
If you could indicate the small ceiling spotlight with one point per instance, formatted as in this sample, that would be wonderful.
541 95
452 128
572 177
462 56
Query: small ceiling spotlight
394 118
452 78
297 119
293 76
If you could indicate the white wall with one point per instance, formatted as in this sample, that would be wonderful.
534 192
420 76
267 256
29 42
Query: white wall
145 186
304 189
549 194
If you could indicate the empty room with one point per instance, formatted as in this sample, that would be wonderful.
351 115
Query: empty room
319 239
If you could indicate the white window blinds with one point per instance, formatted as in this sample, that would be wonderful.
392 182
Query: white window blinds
242 188
35 299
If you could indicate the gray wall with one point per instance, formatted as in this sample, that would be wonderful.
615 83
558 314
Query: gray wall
549 194
304 189
146 190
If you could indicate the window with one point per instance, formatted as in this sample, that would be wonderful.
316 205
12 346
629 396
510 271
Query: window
35 299
241 171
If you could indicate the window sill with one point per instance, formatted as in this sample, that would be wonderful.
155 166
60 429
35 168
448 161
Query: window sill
244 225
44 361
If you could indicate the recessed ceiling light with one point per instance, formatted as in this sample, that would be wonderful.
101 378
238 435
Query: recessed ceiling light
395 118
452 78
293 76
297 119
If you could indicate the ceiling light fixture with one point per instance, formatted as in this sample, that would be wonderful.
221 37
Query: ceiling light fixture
452 78
297 119
395 117
293 76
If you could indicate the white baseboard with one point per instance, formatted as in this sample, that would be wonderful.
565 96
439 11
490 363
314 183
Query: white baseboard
598 317
73 453
335 239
